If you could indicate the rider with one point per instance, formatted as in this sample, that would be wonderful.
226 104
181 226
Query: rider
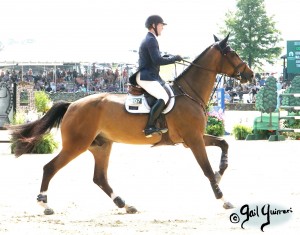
148 77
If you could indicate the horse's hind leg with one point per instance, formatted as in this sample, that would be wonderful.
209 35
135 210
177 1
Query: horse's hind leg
50 169
101 151
211 140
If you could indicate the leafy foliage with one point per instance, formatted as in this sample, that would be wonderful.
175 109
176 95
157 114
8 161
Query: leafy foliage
293 124
240 131
266 98
292 101
42 101
46 145
215 124
269 96
294 88
253 33
259 100
19 118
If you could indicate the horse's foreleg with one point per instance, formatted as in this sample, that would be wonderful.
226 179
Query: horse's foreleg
101 155
211 140
197 146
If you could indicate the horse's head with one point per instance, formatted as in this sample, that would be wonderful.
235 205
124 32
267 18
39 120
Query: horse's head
232 64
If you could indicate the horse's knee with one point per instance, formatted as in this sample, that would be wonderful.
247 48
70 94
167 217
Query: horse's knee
49 169
224 145
100 181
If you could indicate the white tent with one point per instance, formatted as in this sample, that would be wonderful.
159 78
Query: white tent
38 53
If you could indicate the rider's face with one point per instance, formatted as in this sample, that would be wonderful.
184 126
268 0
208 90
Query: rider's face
160 28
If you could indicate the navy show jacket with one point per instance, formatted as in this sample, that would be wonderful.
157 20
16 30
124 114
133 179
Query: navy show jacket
150 59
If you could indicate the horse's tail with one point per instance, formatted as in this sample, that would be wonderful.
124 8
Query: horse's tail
26 136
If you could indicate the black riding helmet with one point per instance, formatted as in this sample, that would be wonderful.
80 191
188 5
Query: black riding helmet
154 19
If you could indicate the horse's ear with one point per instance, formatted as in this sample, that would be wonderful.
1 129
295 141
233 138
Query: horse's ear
226 39
223 43
216 38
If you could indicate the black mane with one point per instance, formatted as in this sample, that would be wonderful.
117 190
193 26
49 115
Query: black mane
223 48
194 61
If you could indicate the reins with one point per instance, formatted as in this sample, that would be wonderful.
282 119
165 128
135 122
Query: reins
196 65
200 67
236 72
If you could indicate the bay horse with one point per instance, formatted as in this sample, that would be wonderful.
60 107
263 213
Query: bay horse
95 122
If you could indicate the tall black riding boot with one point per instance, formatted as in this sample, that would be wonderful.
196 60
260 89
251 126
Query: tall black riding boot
155 111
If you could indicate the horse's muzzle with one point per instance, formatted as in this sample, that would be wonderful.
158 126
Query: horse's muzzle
246 77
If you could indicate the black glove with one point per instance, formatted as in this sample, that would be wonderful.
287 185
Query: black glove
178 58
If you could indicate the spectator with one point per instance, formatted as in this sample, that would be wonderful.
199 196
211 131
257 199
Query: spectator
49 88
262 81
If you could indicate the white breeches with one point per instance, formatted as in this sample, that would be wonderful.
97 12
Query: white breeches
153 88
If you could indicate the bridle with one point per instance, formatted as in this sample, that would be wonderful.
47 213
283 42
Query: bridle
236 73
224 51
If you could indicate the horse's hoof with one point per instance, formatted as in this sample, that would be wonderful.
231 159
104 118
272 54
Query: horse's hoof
228 205
131 210
218 177
48 211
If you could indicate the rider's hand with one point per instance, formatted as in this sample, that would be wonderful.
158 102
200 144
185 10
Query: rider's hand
178 58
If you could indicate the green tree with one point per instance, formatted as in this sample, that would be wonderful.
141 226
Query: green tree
259 102
270 95
290 100
294 88
253 33
266 98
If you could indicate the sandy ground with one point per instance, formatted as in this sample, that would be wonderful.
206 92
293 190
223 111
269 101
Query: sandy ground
165 184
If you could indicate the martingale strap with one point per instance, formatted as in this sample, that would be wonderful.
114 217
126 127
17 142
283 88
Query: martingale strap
181 92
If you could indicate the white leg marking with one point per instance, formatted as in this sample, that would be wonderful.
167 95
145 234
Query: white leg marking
41 203
113 196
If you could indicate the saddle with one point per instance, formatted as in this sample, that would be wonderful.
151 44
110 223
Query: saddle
140 101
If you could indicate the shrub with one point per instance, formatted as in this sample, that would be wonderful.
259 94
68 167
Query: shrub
46 145
42 101
265 134
215 124
19 118
293 124
240 131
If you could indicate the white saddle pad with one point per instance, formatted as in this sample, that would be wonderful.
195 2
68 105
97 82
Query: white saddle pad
139 104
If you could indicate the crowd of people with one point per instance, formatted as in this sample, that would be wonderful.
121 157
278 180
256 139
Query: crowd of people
115 80
70 80
236 92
